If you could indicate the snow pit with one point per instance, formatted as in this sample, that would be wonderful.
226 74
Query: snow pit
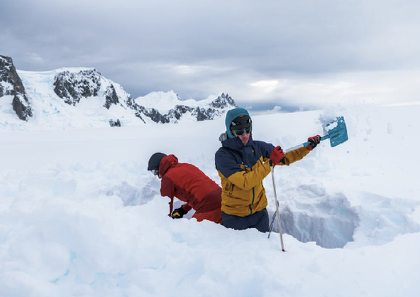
310 214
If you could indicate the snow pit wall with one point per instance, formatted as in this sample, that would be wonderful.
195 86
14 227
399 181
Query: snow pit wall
310 213
331 222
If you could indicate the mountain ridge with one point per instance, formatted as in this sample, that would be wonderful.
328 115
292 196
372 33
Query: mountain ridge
63 97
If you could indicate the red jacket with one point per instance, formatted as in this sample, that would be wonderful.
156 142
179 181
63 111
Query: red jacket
189 184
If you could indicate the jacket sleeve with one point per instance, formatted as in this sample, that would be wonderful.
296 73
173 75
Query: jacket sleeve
167 187
246 180
294 156
290 157
187 207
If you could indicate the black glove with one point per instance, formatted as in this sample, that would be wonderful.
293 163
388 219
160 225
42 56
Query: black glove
314 140
178 213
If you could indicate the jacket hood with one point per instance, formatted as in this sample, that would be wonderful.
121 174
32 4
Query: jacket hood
231 115
223 137
166 163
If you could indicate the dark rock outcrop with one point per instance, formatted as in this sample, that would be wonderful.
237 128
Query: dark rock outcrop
74 86
11 84
111 97
116 123
223 101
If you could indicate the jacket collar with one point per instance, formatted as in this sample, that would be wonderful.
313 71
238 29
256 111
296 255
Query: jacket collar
236 144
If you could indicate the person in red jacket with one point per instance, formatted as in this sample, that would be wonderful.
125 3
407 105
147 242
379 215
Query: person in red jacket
189 184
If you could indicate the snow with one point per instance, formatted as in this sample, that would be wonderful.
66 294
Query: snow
6 86
51 112
81 216
165 101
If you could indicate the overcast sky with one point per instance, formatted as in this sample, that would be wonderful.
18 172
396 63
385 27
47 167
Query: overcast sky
295 54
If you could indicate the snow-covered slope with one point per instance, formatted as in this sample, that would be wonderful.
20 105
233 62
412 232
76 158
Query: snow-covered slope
81 216
167 107
77 107
82 97
164 102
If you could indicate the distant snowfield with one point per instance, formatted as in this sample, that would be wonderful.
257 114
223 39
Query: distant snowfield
81 216
164 101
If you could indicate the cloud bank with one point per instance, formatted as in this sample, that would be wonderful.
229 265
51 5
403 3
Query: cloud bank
302 54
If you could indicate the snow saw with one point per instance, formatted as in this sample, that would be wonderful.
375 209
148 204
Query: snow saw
337 134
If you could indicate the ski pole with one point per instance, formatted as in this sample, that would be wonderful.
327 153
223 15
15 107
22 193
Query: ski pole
272 223
277 210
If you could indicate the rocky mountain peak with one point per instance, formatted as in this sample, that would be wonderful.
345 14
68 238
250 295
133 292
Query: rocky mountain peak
107 101
195 109
11 84
223 101
73 86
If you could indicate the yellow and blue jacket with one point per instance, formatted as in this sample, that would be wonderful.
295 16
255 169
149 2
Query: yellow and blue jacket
242 170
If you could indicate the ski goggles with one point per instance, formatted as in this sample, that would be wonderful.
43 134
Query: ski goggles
155 172
242 131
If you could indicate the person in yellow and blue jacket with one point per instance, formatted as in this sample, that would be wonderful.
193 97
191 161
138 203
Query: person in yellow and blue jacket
242 164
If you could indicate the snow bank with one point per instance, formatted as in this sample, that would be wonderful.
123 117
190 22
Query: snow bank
81 216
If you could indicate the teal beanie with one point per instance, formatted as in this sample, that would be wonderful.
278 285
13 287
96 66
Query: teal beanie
231 115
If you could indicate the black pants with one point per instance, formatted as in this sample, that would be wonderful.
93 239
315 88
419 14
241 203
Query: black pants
258 220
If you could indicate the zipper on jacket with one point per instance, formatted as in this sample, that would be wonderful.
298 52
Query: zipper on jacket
253 198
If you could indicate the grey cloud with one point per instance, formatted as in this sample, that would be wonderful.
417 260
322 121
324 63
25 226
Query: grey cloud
228 44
